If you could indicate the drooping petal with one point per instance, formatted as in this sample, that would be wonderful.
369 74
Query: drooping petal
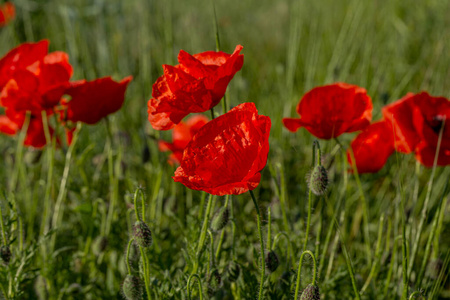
372 147
93 100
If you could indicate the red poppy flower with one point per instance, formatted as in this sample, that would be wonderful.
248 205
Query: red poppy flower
91 101
7 13
196 85
331 110
227 154
181 136
33 80
372 147
429 116
399 114
417 120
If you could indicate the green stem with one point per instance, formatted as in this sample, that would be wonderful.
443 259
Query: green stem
263 267
201 240
200 288
128 255
424 212
222 233
299 271
212 113
59 208
374 268
351 272
145 265
113 183
211 251
364 206
136 207
50 149
269 228
431 237
2 226
414 294
391 268
308 222
18 155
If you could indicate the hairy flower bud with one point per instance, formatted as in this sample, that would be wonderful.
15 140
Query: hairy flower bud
318 180
214 282
311 292
132 288
142 234
272 262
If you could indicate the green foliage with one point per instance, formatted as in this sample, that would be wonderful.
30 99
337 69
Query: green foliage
388 47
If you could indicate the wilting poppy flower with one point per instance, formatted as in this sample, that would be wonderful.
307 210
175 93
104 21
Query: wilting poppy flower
91 101
227 154
7 13
331 110
372 147
181 136
196 85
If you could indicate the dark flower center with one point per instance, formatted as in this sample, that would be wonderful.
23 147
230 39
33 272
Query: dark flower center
436 123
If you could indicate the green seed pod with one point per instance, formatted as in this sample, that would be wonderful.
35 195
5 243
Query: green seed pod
132 288
272 262
5 254
142 234
220 219
311 292
318 180
233 271
214 282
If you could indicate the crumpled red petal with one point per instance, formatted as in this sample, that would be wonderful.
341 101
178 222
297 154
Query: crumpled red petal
196 85
227 154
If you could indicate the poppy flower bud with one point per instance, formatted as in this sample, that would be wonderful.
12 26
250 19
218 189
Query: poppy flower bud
233 271
311 292
220 219
132 288
5 254
99 245
142 234
272 261
214 282
318 180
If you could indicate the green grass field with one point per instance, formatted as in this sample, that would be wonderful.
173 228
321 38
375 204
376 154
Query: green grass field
388 47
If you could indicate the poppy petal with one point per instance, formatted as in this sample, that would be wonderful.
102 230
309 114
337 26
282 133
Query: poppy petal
93 100
372 147
228 153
